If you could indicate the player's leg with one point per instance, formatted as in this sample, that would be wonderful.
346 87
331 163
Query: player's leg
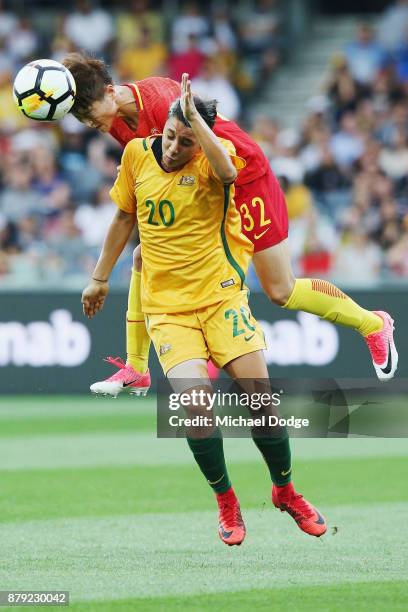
132 376
235 342
316 296
251 374
137 338
265 222
183 354
322 298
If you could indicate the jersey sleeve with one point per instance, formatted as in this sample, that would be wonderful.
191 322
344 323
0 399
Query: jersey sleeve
239 162
123 190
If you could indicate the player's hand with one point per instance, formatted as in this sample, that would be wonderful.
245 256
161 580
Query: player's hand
187 101
93 297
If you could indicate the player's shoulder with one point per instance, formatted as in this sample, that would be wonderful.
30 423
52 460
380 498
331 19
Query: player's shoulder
158 83
157 80
228 144
134 154
136 146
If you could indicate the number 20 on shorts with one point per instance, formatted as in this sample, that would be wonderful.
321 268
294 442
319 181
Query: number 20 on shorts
237 328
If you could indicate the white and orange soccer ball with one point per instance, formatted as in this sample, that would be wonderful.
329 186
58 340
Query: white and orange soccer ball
44 90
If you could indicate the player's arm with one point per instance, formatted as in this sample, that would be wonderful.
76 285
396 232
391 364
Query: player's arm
216 154
123 194
94 294
118 234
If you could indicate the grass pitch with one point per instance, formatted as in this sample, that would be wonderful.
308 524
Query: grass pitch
93 503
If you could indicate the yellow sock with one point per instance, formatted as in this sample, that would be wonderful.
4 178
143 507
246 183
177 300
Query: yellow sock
137 338
327 301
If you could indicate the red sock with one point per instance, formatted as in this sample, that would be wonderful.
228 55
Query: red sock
229 493
286 490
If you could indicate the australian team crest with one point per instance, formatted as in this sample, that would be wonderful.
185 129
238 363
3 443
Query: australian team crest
186 180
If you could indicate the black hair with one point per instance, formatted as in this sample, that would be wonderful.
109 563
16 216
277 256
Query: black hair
206 108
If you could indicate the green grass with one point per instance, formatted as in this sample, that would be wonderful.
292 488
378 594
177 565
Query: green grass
49 425
127 490
361 596
126 522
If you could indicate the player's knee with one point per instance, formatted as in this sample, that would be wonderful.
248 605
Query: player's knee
199 422
280 292
137 259
199 433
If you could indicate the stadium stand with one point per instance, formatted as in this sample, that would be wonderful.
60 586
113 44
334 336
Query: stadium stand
343 166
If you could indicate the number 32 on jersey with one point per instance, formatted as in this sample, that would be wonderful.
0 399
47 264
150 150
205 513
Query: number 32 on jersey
256 212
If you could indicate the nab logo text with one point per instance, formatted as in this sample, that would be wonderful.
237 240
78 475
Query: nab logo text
57 342
307 341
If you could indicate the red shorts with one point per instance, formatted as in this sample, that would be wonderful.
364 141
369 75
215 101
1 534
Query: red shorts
263 210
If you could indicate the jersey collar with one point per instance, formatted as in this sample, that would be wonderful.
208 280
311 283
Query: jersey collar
136 94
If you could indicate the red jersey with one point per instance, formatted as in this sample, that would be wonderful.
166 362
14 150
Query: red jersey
153 97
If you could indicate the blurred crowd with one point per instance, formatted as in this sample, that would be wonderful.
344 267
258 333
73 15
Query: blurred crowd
344 171
55 179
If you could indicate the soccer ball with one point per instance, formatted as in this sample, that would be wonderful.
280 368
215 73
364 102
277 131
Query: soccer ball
44 90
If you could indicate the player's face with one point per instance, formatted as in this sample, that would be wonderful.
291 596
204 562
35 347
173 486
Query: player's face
103 112
179 144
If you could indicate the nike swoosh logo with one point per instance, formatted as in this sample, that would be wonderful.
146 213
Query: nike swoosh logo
258 236
320 520
225 534
130 383
287 472
248 338
215 481
387 368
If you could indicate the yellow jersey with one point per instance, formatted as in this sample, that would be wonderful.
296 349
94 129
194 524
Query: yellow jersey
194 254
